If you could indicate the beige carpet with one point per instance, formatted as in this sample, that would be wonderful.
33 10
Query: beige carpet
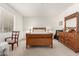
57 50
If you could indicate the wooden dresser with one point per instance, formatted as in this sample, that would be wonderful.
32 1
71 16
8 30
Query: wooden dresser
70 40
70 36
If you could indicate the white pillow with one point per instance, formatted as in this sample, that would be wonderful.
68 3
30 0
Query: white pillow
39 30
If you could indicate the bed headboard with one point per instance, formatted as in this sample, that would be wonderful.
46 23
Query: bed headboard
39 29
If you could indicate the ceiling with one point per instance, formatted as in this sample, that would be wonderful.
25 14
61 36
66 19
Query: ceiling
40 9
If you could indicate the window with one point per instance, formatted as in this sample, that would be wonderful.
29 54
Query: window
6 21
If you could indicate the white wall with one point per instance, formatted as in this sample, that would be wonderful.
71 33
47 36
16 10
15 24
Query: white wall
72 9
18 25
18 21
38 21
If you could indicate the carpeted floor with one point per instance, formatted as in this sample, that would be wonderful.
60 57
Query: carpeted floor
57 50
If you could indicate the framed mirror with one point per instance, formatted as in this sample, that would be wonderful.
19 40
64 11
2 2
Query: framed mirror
71 22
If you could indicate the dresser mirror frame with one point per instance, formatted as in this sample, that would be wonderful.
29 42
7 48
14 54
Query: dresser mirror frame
70 17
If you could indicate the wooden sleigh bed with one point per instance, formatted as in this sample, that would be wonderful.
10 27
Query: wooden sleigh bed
39 39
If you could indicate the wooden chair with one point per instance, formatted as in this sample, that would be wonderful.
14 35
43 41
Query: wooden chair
13 39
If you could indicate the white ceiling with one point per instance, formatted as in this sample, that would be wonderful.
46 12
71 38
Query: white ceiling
40 9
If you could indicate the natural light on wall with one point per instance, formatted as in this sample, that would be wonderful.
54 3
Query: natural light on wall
6 20
71 23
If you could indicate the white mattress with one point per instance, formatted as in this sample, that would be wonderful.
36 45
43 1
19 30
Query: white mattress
40 32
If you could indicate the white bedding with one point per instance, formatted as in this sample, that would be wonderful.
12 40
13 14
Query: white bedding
41 32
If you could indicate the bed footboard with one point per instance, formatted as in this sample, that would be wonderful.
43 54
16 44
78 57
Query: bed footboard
39 40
